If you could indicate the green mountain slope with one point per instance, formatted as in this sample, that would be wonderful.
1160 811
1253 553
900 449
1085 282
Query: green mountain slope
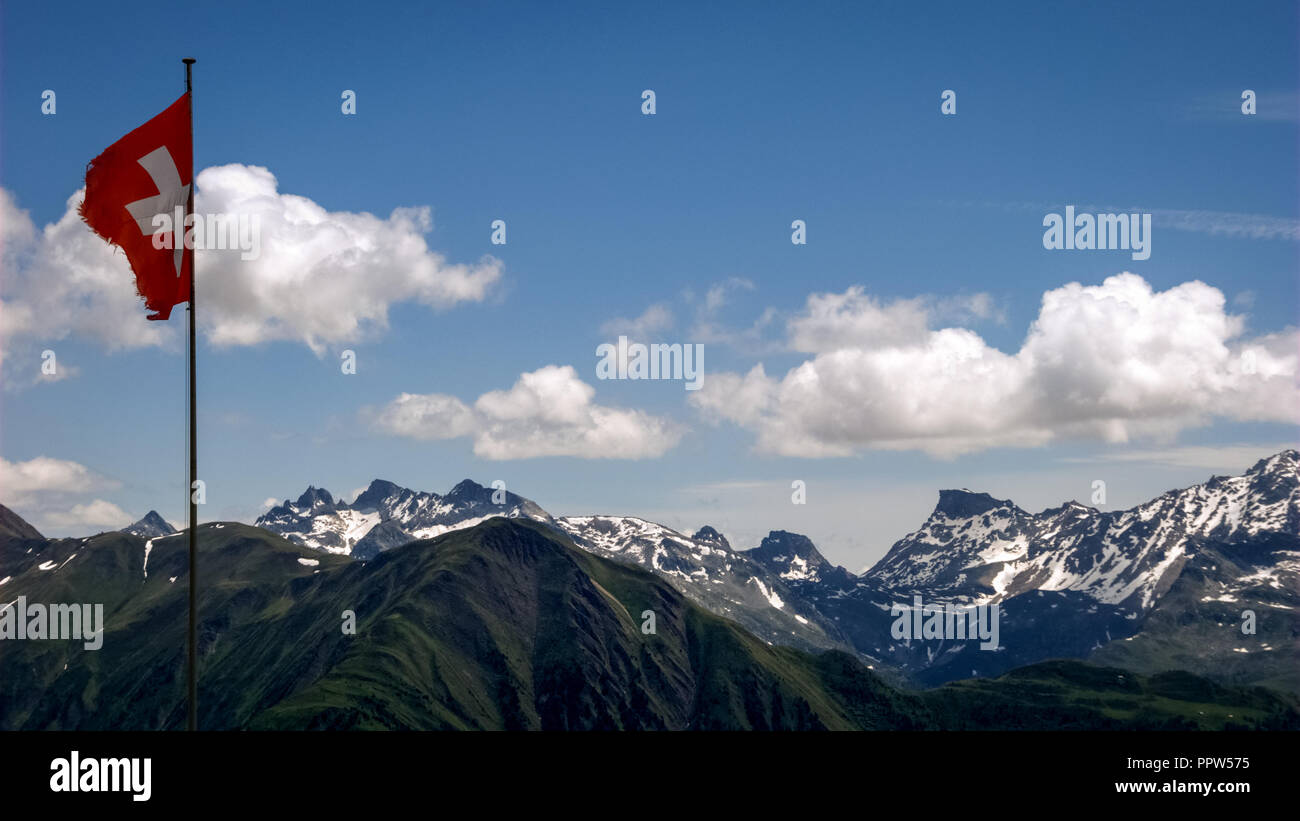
503 626
1198 624
13 526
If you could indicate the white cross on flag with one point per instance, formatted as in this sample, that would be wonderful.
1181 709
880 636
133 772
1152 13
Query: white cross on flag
142 175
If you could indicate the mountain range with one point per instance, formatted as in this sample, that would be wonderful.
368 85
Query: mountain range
1071 581
478 609
503 625
149 527
385 516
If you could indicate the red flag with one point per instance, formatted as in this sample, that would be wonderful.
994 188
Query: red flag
144 174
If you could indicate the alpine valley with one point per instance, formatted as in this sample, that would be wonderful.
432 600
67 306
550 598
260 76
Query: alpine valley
478 609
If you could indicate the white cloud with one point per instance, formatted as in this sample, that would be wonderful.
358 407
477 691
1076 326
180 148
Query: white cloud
830 321
1234 224
548 412
322 277
855 319
753 339
1108 362
61 373
967 308
83 517
44 491
1228 224
717 295
356 491
707 328
1228 460
64 279
427 416
1271 105
656 318
23 482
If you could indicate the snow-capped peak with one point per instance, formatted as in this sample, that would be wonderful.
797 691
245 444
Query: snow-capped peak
386 515
708 535
791 556
976 548
150 526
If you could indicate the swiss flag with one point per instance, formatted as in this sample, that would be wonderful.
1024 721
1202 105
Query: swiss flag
145 173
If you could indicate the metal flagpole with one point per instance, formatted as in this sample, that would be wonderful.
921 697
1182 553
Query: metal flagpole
193 721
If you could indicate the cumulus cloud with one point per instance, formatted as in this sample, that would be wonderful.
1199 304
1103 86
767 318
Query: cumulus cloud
656 318
22 482
967 308
856 319
720 293
64 279
709 328
98 514
1112 362
44 490
427 416
548 412
828 321
321 277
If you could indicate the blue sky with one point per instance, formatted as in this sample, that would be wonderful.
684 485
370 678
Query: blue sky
532 114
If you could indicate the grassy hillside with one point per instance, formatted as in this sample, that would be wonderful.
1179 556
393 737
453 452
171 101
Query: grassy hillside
502 626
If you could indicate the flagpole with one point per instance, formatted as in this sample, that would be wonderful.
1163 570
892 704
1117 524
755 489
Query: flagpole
192 723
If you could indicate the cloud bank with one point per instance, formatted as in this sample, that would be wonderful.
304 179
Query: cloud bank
548 412
45 488
1113 362
322 277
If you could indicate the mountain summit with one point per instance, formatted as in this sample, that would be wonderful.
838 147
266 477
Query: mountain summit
794 558
386 515
1071 581
976 549
506 625
965 503
708 535
150 527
